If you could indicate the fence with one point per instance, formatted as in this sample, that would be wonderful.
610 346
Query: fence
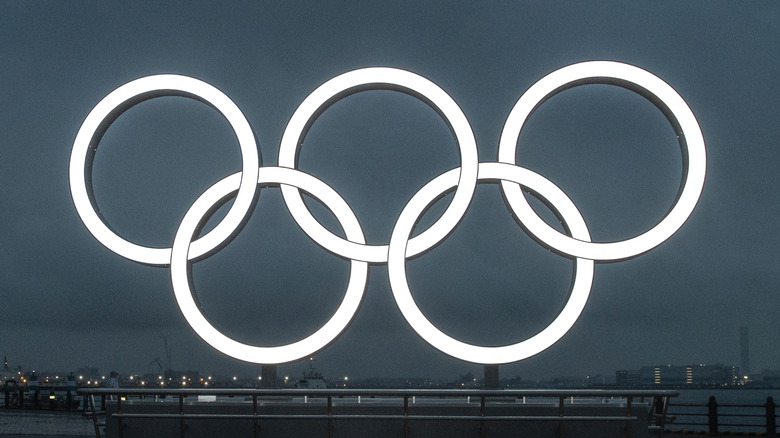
48 398
724 419
547 407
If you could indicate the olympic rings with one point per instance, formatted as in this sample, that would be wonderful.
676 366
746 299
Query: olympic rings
463 179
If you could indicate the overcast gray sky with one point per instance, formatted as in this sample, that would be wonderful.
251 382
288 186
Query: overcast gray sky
67 301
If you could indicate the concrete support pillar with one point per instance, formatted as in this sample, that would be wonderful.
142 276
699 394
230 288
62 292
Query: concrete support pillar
268 373
491 377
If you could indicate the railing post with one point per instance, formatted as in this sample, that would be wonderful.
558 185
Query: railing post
255 424
658 405
406 415
712 413
629 400
330 416
560 415
91 400
482 414
7 404
181 412
771 420
119 425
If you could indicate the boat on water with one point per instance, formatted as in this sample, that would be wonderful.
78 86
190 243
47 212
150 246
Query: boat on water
312 379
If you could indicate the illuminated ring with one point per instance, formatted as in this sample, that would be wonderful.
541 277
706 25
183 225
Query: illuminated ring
663 97
373 79
580 289
183 290
107 110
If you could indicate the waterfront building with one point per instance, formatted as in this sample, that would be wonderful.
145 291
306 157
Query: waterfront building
5 372
744 350
88 373
673 375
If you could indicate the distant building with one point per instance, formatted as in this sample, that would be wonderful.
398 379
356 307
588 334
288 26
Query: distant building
744 350
5 373
86 373
671 375
627 378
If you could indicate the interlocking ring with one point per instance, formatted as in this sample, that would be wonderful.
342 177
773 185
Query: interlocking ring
658 92
380 78
396 267
182 286
463 179
111 107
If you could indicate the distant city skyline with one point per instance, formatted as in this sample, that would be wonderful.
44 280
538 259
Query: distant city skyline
645 374
740 351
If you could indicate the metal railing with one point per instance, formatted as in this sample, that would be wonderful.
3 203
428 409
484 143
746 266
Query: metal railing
725 419
44 398
654 405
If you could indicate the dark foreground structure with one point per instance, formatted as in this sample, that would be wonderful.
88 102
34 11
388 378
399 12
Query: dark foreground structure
378 413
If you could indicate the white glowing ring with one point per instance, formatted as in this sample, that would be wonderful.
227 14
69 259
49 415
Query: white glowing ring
369 79
279 354
396 267
106 111
666 99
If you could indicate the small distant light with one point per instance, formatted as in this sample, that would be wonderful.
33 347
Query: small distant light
51 397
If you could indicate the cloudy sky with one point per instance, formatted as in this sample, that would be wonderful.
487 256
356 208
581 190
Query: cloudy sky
67 301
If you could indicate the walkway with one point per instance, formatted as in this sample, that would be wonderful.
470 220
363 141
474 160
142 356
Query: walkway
39 424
